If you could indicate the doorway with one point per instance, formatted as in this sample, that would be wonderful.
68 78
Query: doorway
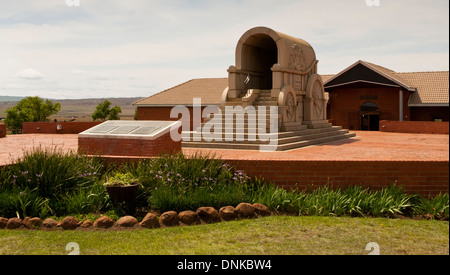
370 122
259 54
370 117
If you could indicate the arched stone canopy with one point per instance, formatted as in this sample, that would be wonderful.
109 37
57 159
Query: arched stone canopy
266 60
273 68
270 40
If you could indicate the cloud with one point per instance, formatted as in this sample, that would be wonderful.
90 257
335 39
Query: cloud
109 47
30 74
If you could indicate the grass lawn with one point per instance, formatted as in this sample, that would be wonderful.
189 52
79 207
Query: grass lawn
275 235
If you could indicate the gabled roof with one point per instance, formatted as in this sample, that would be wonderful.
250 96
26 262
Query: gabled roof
427 88
390 77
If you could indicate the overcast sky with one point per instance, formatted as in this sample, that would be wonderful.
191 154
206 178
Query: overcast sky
131 48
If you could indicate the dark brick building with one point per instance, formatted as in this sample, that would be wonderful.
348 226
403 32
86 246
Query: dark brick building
364 94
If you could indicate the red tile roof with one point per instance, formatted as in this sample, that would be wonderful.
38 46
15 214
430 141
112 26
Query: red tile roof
428 88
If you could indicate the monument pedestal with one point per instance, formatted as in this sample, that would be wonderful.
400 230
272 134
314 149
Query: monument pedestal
317 124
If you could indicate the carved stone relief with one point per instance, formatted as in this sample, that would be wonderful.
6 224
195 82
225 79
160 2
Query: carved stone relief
297 58
291 107
318 101
315 102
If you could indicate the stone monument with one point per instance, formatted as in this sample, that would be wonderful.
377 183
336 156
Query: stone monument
271 66
277 70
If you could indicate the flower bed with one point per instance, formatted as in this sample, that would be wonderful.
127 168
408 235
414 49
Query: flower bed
54 184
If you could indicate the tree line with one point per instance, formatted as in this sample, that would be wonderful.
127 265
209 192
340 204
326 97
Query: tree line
36 109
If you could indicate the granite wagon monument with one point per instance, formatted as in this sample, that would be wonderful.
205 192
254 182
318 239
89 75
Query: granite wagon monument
273 70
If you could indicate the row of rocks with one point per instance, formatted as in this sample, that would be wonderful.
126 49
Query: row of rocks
170 218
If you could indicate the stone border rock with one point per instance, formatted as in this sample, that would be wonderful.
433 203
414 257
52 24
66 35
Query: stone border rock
203 215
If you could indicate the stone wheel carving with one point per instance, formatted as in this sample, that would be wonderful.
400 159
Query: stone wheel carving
290 102
318 101
315 108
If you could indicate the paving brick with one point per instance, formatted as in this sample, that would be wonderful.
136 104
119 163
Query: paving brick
419 162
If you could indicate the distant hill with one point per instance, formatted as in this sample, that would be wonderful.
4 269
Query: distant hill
77 109
10 98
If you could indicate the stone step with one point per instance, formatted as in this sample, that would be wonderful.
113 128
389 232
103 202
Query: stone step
312 136
241 130
246 135
238 118
245 114
266 147
244 121
281 140
266 103
256 110
228 146
234 100
266 98
262 92
289 139
300 144
292 127
286 134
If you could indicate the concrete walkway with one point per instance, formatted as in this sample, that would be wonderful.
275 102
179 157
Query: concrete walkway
365 146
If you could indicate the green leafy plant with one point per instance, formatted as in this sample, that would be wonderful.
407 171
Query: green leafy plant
186 182
44 182
52 172
434 208
122 179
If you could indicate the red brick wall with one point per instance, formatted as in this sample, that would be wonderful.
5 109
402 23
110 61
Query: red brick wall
154 113
128 147
420 127
51 127
421 177
429 113
2 130
345 105
424 177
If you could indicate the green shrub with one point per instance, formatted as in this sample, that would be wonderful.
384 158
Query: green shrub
42 181
389 201
326 201
434 208
85 201
53 172
22 203
179 182
167 198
